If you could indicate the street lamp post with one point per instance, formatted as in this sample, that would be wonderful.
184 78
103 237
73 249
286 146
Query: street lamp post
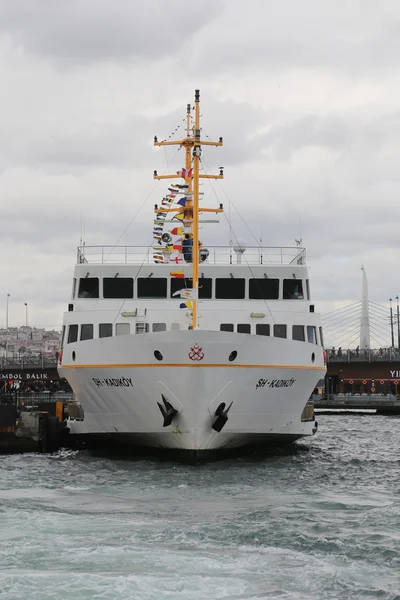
8 297
26 314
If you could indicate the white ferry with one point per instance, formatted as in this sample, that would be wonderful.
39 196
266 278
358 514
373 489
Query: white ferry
200 352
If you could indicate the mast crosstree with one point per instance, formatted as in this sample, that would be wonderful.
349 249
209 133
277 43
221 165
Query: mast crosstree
192 144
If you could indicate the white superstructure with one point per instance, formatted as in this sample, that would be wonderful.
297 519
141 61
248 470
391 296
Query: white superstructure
160 362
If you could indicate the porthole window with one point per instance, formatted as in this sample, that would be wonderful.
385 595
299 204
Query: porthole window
73 355
313 357
232 355
158 355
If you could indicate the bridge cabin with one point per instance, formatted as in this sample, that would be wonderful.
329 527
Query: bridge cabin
120 291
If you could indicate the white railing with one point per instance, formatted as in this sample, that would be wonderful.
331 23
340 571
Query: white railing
218 255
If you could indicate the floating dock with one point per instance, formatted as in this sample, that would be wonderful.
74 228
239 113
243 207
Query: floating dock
35 428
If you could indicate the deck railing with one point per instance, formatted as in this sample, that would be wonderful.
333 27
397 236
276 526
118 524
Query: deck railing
357 355
217 255
27 362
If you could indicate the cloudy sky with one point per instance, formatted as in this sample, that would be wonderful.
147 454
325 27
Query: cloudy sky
305 93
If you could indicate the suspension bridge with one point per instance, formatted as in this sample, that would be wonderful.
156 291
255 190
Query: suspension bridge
363 327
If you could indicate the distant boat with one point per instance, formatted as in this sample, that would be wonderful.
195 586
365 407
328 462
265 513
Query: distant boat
184 347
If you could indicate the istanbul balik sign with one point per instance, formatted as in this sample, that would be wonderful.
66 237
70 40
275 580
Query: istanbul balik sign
29 375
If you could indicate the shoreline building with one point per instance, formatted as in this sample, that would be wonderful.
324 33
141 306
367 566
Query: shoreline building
28 341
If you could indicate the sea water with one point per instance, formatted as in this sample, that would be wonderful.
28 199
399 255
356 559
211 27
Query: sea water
320 520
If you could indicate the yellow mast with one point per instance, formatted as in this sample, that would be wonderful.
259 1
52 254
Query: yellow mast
195 226
192 144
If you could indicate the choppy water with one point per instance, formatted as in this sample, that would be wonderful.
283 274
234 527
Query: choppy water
322 521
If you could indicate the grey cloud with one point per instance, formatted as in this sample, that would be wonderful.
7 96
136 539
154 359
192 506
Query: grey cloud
240 125
351 37
350 137
130 143
93 146
333 132
97 30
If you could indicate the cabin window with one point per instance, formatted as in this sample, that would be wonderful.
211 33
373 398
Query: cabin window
204 287
243 328
262 329
88 287
72 334
230 288
311 334
73 288
86 332
321 336
226 327
264 289
142 327
62 336
118 287
280 331
159 327
298 333
308 289
122 329
152 287
105 330
293 289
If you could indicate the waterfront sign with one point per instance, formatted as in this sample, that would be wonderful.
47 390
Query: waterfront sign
29 376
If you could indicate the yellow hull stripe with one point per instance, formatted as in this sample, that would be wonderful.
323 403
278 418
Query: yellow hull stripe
218 366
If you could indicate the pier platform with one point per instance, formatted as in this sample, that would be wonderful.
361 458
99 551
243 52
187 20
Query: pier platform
381 404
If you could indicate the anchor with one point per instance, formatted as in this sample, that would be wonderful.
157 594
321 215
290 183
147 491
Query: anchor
222 416
168 412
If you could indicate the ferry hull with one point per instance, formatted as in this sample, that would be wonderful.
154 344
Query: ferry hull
124 390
